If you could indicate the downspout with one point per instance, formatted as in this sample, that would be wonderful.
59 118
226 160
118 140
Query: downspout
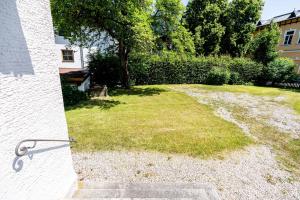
81 57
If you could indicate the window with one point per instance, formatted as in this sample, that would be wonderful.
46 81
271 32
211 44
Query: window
288 37
68 55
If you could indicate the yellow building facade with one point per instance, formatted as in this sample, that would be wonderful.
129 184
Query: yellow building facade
289 45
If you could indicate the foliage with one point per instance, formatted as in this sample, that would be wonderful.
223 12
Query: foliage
152 118
168 29
170 68
218 76
183 41
263 48
240 21
247 69
127 22
105 69
203 18
280 70
235 79
71 94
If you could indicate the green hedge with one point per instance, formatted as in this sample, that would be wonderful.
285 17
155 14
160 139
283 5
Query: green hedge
176 69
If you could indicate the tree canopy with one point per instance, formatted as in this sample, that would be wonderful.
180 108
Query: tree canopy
240 21
168 28
264 44
203 18
128 22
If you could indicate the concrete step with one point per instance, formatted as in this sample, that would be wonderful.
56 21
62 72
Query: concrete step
104 191
129 193
146 186
129 199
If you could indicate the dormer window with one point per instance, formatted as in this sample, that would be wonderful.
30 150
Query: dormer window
288 37
293 14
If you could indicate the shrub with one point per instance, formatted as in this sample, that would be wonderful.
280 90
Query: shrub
235 78
247 69
105 69
218 76
71 94
280 70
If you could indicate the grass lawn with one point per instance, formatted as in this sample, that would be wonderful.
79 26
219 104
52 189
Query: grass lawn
152 118
287 149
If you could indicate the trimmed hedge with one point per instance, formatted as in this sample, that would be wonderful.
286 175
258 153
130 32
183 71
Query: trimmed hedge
176 69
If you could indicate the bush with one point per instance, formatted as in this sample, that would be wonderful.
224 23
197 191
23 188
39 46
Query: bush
280 70
218 76
247 69
71 94
170 68
105 69
234 78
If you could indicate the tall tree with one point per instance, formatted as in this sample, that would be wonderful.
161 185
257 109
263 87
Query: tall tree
167 26
264 44
240 21
127 22
203 18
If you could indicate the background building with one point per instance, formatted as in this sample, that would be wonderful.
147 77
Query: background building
73 62
289 45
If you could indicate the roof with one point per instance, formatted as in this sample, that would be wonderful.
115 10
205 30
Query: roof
75 75
280 18
68 70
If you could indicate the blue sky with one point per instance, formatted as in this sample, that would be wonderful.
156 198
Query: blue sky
273 8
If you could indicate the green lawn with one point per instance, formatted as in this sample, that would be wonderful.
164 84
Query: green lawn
287 149
152 118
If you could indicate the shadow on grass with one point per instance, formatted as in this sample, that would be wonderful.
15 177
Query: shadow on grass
137 91
96 103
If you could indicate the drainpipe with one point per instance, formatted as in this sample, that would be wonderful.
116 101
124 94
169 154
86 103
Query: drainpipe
81 57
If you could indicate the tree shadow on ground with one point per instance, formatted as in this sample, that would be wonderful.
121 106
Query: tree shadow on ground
149 91
103 104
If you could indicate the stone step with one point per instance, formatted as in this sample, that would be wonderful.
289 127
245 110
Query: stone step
150 193
130 199
146 186
136 191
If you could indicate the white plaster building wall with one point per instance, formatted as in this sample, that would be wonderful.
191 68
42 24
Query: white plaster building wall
77 57
31 105
61 44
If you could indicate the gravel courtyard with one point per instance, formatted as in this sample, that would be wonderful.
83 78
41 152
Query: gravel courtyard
252 173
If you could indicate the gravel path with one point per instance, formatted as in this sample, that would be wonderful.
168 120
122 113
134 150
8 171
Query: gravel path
252 173
268 110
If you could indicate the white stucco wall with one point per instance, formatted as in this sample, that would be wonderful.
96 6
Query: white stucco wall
62 44
31 105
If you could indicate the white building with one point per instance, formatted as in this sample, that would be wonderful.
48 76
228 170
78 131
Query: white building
31 106
73 62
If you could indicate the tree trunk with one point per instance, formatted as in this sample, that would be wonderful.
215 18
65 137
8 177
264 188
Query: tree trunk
123 54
